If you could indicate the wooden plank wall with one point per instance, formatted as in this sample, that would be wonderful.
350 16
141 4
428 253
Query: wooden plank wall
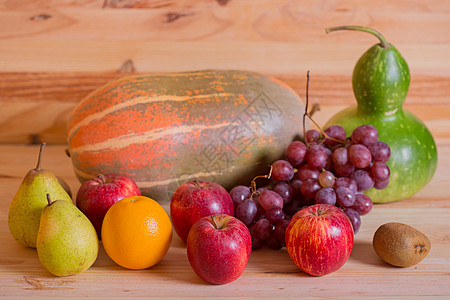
53 53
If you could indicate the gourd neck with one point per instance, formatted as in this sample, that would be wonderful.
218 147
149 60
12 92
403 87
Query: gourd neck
363 110
380 81
381 76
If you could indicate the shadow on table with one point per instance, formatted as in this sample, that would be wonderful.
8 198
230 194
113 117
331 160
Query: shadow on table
273 263
363 252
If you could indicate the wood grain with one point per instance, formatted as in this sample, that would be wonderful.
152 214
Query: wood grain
269 274
55 52
36 106
273 36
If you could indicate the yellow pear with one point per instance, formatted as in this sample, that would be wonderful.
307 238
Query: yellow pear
67 243
26 206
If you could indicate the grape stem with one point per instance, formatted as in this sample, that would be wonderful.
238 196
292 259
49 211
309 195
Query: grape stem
309 116
315 108
306 107
253 183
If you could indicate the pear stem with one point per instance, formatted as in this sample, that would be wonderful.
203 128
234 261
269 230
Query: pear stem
383 41
49 200
41 150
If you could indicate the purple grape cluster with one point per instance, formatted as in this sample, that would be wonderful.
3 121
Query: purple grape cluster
328 168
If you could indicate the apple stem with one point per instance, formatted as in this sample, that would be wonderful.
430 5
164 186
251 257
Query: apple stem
41 150
319 212
102 178
196 182
48 199
214 222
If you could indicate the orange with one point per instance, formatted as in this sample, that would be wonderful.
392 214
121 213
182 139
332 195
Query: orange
136 232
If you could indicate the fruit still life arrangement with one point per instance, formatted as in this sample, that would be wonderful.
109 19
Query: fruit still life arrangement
233 155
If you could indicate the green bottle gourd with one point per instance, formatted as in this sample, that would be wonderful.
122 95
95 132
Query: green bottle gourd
380 83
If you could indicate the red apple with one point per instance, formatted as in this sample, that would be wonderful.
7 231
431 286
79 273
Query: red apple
196 199
319 239
95 196
218 248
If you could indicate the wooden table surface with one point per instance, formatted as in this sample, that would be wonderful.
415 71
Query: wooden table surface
53 53
269 273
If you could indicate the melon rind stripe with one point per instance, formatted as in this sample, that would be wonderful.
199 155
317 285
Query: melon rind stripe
136 101
132 139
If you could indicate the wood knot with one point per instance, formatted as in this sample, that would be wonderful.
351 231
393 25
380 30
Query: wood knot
35 139
223 2
173 16
41 283
40 17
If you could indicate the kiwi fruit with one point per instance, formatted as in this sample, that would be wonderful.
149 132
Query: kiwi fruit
400 245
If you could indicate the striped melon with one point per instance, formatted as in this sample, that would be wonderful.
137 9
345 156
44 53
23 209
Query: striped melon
164 129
